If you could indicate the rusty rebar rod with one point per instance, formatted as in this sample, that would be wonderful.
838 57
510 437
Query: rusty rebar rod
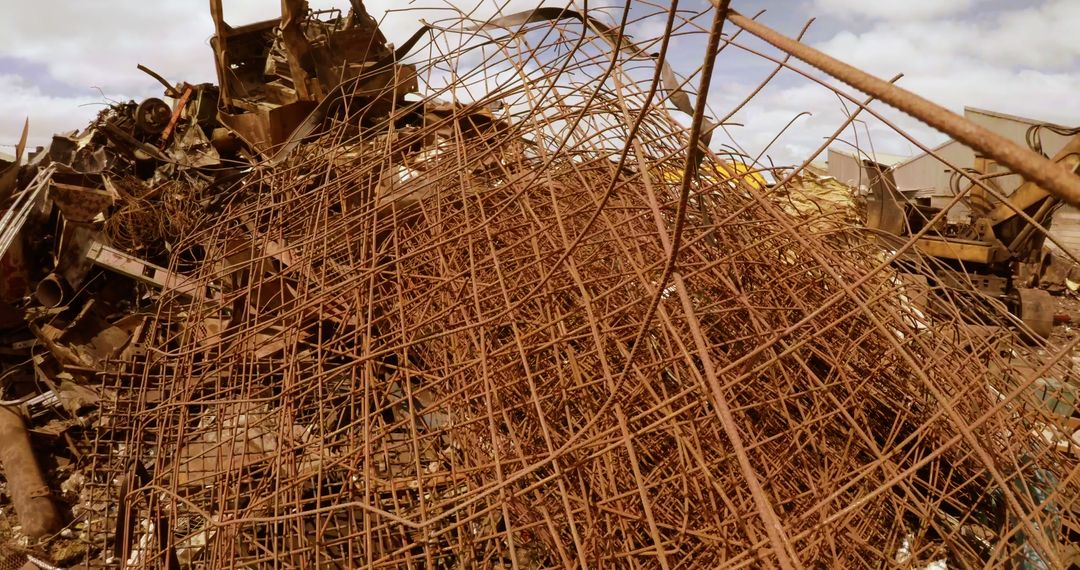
455 333
1029 164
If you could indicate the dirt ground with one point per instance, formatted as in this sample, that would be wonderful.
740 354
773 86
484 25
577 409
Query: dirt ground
1067 303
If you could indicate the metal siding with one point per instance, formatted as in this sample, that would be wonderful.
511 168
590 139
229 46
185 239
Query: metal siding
929 176
1066 230
926 173
846 169
1014 129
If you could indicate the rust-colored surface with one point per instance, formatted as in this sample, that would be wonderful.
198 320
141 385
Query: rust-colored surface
526 320
29 493
180 103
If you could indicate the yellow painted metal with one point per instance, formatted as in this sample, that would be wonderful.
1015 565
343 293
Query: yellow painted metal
959 249
1029 193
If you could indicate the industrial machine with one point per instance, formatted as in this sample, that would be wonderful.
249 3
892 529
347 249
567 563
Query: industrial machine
981 257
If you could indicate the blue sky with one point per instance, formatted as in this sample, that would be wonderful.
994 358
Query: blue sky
61 60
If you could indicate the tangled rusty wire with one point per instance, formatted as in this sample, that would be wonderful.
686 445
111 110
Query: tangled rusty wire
150 218
538 334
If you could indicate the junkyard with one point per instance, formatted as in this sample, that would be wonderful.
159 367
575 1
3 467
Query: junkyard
495 297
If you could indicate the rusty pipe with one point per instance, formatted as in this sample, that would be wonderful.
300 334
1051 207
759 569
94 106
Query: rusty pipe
29 493
1051 176
51 291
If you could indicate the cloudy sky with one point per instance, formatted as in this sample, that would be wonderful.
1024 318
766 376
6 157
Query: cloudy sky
62 60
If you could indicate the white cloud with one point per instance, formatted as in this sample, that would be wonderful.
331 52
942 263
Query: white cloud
1040 36
1021 60
1013 61
775 107
98 44
47 114
879 9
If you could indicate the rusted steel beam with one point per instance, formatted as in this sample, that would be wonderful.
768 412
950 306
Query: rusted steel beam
297 47
29 493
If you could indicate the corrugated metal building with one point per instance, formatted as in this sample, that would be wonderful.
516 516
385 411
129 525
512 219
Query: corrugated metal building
927 176
844 165
1065 229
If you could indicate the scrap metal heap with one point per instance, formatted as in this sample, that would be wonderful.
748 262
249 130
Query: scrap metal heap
522 329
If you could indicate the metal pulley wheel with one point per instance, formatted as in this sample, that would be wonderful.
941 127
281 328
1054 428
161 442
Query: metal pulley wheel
152 116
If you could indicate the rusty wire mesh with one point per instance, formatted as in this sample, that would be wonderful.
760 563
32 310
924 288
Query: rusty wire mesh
448 335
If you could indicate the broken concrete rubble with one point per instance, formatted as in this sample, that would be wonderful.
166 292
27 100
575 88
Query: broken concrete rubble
254 329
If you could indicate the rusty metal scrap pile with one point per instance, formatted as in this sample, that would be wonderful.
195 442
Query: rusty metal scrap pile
521 329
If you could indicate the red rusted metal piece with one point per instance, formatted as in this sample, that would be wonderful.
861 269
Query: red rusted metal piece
181 103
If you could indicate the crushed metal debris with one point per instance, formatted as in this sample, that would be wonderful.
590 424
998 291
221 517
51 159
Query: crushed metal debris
328 314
